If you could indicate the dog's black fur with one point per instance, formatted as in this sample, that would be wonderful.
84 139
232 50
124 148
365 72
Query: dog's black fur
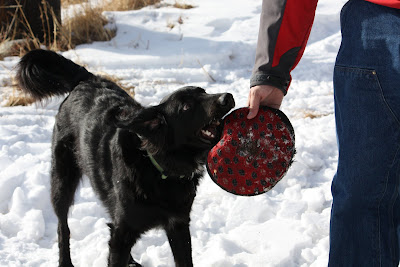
102 132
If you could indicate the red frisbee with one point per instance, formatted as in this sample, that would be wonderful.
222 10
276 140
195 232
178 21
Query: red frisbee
252 156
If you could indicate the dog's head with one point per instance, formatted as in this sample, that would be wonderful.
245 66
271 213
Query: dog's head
188 119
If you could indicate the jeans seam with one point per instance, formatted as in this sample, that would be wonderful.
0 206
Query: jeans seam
384 98
394 197
379 205
375 75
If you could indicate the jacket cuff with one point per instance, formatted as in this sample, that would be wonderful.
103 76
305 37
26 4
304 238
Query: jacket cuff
266 79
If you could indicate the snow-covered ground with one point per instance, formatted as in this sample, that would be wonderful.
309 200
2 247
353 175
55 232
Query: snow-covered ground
212 46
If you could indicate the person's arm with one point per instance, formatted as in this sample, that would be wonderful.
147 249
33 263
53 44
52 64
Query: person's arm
285 26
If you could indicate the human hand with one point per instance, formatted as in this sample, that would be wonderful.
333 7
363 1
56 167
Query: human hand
263 95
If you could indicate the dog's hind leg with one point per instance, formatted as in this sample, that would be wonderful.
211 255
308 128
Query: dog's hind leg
65 176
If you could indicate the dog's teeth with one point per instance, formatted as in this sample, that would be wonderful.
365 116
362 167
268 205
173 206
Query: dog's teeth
207 133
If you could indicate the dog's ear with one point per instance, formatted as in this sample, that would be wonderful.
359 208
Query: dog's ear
147 121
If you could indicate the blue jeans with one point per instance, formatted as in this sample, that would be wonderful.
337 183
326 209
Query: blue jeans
365 215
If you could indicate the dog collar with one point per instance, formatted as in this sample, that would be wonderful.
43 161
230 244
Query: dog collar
159 168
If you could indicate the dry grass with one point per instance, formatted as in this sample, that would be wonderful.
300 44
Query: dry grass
65 3
18 99
129 89
123 5
314 115
172 24
182 5
12 96
84 27
10 43
18 47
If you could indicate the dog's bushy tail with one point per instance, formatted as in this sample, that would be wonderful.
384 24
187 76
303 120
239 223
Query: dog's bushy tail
43 73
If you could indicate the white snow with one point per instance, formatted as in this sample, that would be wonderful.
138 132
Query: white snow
288 226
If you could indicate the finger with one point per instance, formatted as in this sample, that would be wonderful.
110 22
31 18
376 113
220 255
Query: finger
253 107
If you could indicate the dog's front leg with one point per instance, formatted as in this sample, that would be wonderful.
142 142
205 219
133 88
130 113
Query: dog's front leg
121 241
181 245
63 244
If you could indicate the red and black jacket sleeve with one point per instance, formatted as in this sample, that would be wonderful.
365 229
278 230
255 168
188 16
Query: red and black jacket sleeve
388 3
285 26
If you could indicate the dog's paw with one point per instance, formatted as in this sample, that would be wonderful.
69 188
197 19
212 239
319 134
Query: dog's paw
133 263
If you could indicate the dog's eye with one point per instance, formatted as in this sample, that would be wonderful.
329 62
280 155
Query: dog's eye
186 107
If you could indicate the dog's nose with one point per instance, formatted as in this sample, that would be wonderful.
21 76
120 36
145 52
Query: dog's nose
226 100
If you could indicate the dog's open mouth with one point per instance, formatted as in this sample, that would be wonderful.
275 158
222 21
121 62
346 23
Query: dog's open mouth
210 132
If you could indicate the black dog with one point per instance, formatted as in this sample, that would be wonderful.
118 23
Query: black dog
143 163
